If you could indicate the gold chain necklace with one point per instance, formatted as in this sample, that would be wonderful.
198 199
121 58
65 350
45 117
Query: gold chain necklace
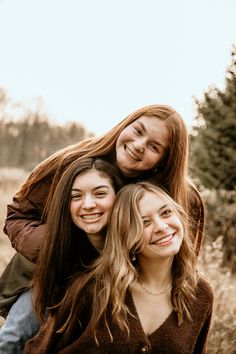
152 292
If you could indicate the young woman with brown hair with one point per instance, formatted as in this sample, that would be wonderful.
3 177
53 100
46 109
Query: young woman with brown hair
143 294
76 229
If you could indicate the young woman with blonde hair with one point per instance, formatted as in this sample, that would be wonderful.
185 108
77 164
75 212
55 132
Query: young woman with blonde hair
143 294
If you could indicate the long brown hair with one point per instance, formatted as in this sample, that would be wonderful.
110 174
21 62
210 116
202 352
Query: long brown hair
65 247
170 173
114 272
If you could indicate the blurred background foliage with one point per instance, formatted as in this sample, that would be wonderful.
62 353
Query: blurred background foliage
213 161
31 137
213 168
213 142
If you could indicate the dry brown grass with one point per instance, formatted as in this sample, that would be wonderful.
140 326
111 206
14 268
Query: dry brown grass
222 337
10 180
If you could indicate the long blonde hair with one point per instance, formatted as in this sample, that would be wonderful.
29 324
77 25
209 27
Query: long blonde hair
114 272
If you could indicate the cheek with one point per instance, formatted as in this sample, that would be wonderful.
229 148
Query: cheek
150 160
125 135
147 234
179 225
180 229
154 159
109 203
73 209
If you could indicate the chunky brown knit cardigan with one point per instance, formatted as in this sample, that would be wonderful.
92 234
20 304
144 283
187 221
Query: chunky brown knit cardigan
188 338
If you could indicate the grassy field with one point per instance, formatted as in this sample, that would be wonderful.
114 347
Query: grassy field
10 180
223 332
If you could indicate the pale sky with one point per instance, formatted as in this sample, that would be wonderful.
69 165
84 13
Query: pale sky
96 61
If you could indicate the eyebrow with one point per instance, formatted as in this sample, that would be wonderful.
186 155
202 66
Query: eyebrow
163 207
145 130
142 125
94 189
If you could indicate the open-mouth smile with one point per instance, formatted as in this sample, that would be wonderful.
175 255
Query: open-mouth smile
131 154
163 240
91 216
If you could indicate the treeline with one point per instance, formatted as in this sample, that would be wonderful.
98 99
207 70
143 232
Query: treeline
213 160
32 137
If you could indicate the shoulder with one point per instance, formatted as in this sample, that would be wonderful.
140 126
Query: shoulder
202 302
204 292
203 285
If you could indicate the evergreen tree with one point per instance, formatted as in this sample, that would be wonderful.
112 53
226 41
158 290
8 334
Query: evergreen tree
213 147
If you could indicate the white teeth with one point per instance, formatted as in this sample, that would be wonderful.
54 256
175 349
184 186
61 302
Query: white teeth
164 239
130 152
91 216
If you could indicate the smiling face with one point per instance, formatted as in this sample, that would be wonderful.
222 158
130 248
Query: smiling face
141 145
92 198
163 230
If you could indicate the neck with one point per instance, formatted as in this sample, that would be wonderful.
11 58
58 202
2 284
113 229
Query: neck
129 174
156 274
97 240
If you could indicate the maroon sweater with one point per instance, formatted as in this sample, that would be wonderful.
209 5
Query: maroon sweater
190 337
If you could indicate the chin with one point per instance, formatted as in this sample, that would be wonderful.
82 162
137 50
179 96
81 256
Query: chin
175 251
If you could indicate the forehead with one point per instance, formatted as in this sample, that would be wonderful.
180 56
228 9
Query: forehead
91 179
156 128
151 202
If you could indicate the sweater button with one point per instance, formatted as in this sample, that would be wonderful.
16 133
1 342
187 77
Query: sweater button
144 349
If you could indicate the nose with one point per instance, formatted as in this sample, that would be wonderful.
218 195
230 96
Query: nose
139 144
160 225
88 202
